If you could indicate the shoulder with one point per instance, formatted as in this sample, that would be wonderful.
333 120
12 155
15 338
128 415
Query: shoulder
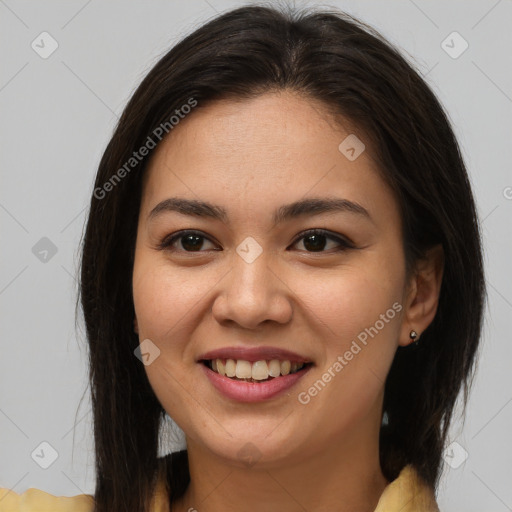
34 500
408 493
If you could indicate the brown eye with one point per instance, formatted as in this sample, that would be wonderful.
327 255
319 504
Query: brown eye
316 240
190 241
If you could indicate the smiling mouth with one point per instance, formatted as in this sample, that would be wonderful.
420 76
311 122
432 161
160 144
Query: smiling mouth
258 371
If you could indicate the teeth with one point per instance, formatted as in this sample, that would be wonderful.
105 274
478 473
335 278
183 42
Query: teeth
274 368
230 368
243 369
257 371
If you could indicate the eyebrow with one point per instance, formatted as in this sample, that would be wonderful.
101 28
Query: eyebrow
310 206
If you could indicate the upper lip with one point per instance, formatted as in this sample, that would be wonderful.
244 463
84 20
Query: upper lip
254 354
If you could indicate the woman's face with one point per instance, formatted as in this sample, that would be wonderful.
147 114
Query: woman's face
254 277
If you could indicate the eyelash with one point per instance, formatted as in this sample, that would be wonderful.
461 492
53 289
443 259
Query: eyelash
344 243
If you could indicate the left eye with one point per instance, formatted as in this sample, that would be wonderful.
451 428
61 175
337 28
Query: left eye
316 240
313 240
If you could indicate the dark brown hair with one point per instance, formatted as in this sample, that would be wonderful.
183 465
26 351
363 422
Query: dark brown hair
348 66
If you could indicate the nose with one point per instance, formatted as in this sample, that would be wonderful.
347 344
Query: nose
253 293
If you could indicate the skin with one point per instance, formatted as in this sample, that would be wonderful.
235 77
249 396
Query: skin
251 157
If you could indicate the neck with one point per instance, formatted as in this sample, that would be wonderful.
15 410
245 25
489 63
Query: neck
344 476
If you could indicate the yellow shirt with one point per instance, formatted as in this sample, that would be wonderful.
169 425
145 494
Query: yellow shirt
408 493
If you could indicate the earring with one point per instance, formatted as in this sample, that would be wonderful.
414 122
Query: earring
414 336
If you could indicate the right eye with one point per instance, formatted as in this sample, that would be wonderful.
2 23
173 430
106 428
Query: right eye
190 241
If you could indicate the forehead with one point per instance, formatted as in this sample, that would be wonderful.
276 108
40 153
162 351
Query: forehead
277 145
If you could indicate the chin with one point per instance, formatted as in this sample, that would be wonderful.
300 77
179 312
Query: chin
263 446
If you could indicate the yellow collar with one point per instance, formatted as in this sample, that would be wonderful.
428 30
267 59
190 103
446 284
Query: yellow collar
407 493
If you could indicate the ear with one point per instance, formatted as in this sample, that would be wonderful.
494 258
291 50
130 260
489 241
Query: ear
135 325
423 294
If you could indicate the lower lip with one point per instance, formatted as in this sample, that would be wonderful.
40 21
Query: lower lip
252 391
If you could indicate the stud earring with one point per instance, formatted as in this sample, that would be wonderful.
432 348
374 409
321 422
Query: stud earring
414 336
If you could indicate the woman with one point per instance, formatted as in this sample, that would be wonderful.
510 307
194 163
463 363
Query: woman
283 255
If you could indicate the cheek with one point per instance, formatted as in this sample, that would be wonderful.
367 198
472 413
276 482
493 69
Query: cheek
350 300
165 298
357 312
167 304
357 318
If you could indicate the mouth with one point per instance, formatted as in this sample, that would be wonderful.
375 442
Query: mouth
257 371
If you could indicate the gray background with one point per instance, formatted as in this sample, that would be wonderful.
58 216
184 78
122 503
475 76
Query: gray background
57 116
